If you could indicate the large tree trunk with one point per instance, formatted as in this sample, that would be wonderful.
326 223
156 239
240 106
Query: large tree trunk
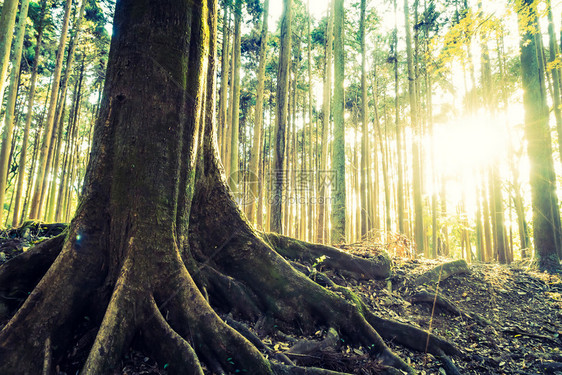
158 247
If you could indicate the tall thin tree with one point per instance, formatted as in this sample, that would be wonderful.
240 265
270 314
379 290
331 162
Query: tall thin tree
258 124
339 193
282 94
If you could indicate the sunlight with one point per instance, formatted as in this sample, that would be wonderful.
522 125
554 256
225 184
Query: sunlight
469 143
464 149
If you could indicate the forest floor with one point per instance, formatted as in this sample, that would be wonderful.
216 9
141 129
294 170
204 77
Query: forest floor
504 319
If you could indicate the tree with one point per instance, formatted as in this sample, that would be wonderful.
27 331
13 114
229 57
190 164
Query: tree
416 167
539 146
234 175
326 105
365 162
281 119
7 22
400 186
258 139
223 97
338 158
158 246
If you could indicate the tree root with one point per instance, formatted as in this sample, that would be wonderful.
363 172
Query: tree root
47 357
232 295
21 274
442 272
348 264
55 304
117 328
167 346
330 342
192 317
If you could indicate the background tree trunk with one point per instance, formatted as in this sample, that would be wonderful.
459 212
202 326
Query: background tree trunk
539 148
258 124
339 194
282 95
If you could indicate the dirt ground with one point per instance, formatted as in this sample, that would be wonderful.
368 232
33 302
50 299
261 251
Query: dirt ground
504 319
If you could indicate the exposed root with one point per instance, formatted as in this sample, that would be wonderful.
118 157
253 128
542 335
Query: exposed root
20 275
167 346
442 272
192 317
47 357
53 306
410 336
117 328
448 365
286 295
330 342
255 340
348 264
232 295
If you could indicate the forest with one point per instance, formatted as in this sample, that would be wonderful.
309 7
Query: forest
321 187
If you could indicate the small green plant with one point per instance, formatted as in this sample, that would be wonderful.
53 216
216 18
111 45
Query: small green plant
318 261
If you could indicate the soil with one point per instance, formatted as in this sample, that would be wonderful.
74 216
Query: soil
508 320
